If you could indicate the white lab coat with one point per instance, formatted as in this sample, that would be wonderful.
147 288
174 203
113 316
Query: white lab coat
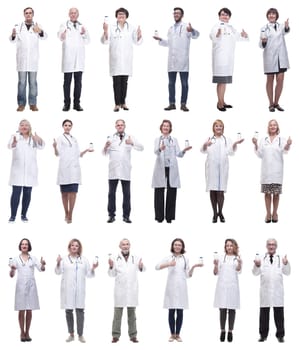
69 171
73 281
73 47
227 293
223 49
26 297
120 157
27 42
172 151
121 42
126 280
24 170
178 43
176 292
271 278
217 163
271 154
275 54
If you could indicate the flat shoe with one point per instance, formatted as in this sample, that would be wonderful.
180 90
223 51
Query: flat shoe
221 109
227 106
271 108
279 108
267 220
274 220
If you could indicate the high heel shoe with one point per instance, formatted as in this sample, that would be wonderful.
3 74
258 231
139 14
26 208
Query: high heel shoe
267 220
221 109
221 217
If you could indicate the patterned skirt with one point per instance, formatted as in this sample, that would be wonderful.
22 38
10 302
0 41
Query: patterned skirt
271 188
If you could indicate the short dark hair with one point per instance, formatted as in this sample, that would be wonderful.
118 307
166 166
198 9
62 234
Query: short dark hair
29 244
122 9
225 10
178 240
166 121
179 9
67 121
29 8
273 10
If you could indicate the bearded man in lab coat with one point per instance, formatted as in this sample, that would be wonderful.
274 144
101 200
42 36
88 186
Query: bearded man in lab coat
124 267
26 35
74 36
119 146
271 269
178 43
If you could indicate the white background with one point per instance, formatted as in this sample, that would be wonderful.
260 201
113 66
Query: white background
147 96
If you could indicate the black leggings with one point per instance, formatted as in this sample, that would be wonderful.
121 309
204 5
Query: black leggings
231 318
217 201
175 325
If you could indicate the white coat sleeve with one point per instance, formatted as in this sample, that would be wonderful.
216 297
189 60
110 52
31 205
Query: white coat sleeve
59 269
9 145
62 30
137 145
164 261
256 270
194 34
286 269
178 151
37 263
89 272
157 150
112 271
86 36
134 37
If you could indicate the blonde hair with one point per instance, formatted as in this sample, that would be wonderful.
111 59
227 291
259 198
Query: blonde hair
235 245
218 121
25 121
275 121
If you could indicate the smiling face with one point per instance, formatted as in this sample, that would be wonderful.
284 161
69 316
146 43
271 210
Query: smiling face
224 17
67 127
120 126
28 14
124 246
177 15
165 128
24 246
74 248
272 17
229 248
273 128
271 246
218 128
177 247
121 18
25 128
73 14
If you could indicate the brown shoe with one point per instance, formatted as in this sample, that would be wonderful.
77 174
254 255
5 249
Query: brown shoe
114 340
33 108
20 108
134 340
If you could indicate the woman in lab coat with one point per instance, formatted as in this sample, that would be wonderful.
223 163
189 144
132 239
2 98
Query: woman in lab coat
166 172
121 37
275 55
224 37
69 173
23 173
176 293
218 148
271 150
74 269
227 294
26 297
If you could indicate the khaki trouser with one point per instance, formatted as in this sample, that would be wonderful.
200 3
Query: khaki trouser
116 325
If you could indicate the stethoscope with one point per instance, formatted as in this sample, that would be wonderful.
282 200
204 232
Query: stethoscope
120 258
34 144
117 134
183 256
22 25
179 33
213 139
278 258
118 30
224 258
24 262
168 138
77 261
68 140
70 25
279 140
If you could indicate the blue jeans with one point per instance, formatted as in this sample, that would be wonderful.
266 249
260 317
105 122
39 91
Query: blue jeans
15 200
175 324
22 84
171 86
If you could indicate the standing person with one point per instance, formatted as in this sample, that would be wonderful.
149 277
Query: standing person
23 172
26 297
166 172
121 36
178 43
271 150
176 292
124 269
119 146
218 148
74 268
224 37
26 35
271 270
74 37
275 56
227 294
69 172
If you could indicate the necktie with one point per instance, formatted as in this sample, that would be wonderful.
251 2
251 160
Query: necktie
275 26
75 24
271 259
121 136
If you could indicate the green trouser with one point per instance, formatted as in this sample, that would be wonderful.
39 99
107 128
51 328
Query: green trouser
116 325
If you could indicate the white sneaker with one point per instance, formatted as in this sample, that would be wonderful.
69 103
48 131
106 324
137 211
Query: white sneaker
172 338
178 338
82 339
70 338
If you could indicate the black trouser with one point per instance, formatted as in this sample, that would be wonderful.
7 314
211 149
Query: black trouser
126 197
217 201
160 210
231 318
278 319
175 325
120 84
77 88
15 199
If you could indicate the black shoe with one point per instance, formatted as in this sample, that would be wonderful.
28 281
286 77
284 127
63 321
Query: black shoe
280 340
184 108
127 220
221 217
222 336
230 336
170 107
227 106
262 339
221 109
271 108
214 220
111 219
160 220
66 108
78 108
168 221
278 108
